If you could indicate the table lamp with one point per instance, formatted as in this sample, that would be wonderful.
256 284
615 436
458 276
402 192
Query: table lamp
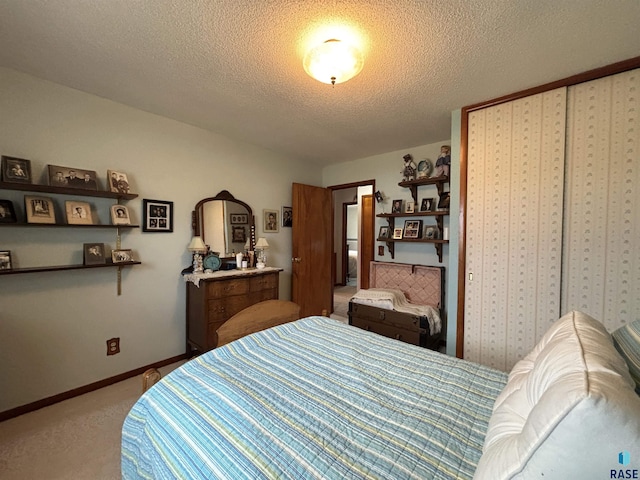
197 248
261 246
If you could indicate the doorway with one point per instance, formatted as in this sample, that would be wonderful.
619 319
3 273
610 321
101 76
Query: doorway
352 243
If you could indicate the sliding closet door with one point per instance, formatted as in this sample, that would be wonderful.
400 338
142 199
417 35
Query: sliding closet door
601 261
515 181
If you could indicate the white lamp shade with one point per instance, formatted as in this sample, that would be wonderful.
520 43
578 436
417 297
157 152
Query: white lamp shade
197 245
333 62
262 243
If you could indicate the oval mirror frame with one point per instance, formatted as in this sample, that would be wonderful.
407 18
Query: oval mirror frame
198 221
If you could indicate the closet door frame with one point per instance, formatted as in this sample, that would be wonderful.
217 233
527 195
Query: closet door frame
612 69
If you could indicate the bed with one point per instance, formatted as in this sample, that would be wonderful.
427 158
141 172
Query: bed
316 398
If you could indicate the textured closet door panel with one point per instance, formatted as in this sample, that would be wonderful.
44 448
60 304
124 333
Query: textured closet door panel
514 226
601 260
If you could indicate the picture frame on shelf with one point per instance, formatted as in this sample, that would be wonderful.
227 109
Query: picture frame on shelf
431 232
94 254
5 260
122 256
70 177
396 206
238 235
426 205
270 221
7 212
118 182
78 213
384 232
412 229
397 233
443 203
157 216
287 217
409 206
16 170
39 209
120 215
239 218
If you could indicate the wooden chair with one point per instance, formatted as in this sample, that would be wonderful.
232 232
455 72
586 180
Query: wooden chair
257 317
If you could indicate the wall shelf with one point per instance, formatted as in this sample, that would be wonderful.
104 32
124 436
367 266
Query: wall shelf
57 268
30 187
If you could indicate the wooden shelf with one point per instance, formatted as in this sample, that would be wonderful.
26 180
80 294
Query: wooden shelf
30 187
438 213
65 225
57 268
414 184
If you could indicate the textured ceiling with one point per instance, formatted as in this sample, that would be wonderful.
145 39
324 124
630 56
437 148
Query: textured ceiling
235 66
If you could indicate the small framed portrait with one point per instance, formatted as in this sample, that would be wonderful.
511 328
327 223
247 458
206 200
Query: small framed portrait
287 217
16 170
410 206
120 215
378 195
239 218
121 256
396 206
426 205
94 254
5 260
397 233
384 232
78 213
7 213
443 203
118 182
238 235
39 209
412 228
72 178
270 219
431 232
157 216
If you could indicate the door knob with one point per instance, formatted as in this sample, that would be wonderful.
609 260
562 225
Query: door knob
296 259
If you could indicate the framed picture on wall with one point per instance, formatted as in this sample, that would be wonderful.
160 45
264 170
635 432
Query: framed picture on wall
39 209
238 235
120 215
270 221
118 182
94 254
5 260
396 206
72 177
384 232
16 170
426 205
157 216
412 228
121 256
287 216
7 213
78 213
397 233
239 218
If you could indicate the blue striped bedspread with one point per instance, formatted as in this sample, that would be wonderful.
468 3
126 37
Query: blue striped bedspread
316 399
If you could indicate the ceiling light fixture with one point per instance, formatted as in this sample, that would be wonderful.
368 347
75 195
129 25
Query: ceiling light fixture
333 62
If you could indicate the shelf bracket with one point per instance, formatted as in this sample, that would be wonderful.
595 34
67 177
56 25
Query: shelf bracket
119 281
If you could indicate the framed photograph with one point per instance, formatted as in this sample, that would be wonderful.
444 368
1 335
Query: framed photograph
238 235
397 233
384 232
118 182
5 260
270 221
94 254
120 215
239 218
410 206
431 232
287 217
412 228
78 213
7 213
72 178
16 170
426 205
157 216
121 256
378 195
396 207
39 209
443 204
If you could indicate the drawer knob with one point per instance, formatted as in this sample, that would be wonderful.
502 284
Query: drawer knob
398 336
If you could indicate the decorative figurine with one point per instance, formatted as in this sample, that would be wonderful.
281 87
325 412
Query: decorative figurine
425 167
409 171
443 163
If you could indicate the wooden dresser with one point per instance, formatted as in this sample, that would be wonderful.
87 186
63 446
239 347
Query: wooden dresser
215 297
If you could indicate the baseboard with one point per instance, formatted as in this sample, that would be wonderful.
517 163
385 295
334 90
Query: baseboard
45 402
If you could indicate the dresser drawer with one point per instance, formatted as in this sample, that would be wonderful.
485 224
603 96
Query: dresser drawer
235 286
221 309
263 282
388 330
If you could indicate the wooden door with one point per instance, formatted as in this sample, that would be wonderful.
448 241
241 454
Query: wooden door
312 254
367 225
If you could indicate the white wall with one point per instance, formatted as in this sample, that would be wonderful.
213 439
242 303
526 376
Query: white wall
386 170
54 326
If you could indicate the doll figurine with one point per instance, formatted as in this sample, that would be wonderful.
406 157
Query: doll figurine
409 170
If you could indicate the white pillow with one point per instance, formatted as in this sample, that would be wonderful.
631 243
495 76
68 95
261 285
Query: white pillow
568 410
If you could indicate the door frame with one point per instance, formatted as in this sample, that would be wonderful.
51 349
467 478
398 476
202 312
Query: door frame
345 250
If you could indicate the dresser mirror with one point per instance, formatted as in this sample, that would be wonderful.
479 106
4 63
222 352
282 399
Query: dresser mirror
225 224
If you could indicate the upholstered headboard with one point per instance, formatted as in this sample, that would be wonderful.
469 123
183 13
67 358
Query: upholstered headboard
421 284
